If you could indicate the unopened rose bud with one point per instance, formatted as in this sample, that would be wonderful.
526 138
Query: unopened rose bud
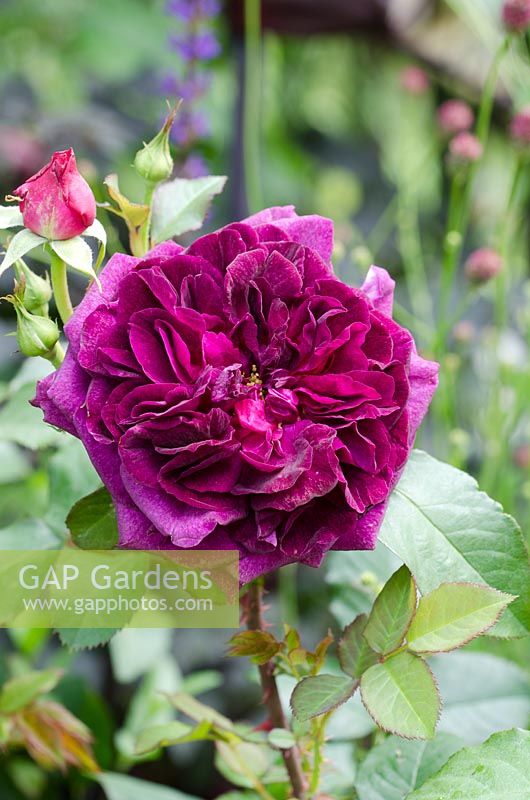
464 149
36 335
34 291
520 127
516 15
482 265
455 116
414 80
154 162
57 202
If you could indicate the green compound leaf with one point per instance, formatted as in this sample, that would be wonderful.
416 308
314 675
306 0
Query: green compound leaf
92 522
180 205
77 254
437 509
124 787
20 692
498 769
392 612
21 243
157 736
482 694
355 654
401 696
85 638
197 711
281 738
453 614
10 217
397 766
319 694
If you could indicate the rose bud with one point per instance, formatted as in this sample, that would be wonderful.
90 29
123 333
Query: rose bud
414 80
455 116
520 127
57 202
154 162
36 335
464 149
516 15
35 291
482 265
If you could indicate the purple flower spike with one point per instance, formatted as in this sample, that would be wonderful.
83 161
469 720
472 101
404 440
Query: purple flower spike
237 395
198 47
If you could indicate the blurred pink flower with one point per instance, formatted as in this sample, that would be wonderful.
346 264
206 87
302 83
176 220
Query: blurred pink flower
520 126
465 148
516 14
414 80
482 265
455 116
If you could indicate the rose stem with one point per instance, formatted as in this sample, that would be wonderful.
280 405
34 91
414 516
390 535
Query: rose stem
271 697
60 288
57 356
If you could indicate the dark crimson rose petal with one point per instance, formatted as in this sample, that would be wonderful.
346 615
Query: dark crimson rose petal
237 395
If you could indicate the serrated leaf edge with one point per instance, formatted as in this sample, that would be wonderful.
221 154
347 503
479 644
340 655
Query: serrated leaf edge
396 732
475 635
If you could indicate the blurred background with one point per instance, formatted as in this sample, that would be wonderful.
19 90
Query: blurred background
331 106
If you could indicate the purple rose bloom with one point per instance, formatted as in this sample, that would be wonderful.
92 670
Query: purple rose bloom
237 395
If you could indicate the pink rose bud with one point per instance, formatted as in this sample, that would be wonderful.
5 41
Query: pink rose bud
455 116
57 202
464 149
482 265
414 80
520 127
516 15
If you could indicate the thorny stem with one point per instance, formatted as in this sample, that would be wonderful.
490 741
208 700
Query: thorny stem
60 287
271 697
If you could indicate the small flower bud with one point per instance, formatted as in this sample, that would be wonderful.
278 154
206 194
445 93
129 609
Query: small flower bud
36 335
414 80
455 116
154 162
464 149
482 265
520 127
516 15
34 291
